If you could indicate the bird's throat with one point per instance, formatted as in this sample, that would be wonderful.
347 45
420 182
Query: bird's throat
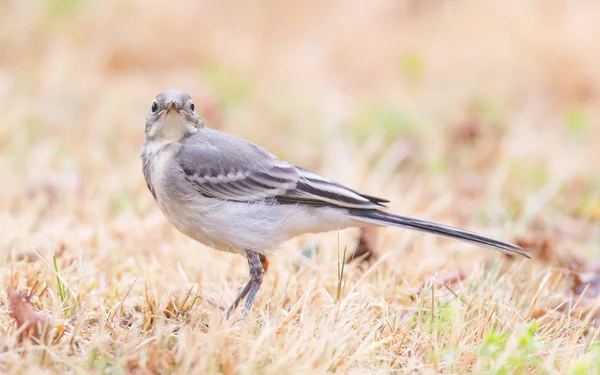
172 129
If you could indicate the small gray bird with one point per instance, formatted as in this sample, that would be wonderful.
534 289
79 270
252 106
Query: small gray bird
232 195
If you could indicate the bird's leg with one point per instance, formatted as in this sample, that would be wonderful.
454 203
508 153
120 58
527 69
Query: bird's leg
258 264
255 261
240 297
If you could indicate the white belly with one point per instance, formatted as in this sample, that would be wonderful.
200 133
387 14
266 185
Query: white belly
237 226
234 226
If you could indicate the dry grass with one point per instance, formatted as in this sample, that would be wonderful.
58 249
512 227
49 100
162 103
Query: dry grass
478 114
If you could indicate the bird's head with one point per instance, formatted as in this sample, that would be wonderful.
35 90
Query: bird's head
172 117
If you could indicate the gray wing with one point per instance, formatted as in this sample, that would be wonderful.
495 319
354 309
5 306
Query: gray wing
227 167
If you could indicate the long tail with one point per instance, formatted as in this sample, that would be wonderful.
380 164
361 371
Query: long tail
383 218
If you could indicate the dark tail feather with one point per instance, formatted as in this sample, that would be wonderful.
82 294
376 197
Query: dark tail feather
383 218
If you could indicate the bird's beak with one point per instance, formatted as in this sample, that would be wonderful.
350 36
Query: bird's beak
172 106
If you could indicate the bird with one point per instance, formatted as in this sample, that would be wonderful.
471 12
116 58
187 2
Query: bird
232 195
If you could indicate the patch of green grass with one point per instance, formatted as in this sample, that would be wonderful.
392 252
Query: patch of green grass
533 176
386 120
487 110
232 87
588 364
60 8
120 203
62 292
438 165
341 280
413 68
494 343
511 352
576 120
32 129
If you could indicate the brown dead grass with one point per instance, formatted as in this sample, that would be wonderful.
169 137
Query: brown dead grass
478 114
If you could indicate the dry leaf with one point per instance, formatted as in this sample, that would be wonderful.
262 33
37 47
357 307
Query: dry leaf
584 276
36 324
545 245
32 256
467 130
540 244
367 242
588 282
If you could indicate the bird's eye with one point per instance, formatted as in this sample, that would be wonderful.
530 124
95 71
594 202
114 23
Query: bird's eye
192 107
154 107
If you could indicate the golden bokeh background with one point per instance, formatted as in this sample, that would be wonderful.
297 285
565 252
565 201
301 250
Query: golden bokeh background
479 114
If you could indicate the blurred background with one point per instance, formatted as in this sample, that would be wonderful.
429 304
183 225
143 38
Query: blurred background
478 114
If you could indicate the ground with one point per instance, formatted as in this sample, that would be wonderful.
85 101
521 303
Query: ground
482 115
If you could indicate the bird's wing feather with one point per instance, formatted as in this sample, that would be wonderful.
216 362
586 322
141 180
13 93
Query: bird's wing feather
226 167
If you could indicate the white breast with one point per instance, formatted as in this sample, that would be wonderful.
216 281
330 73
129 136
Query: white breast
185 209
156 157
